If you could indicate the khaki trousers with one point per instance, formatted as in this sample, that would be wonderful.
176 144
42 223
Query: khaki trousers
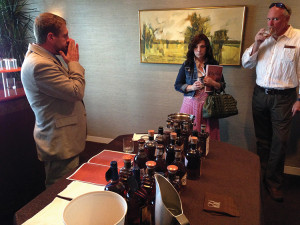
56 169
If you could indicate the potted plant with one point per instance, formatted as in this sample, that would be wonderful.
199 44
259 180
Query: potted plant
15 28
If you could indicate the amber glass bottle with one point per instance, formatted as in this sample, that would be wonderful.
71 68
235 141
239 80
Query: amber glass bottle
161 166
173 178
203 141
160 136
193 160
148 187
182 172
141 158
150 145
170 152
185 136
126 172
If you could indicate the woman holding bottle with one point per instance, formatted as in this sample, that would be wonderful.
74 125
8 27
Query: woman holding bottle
191 81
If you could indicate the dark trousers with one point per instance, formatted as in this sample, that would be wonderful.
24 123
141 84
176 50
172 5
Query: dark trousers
272 115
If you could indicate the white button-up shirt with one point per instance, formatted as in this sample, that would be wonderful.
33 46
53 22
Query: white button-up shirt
277 62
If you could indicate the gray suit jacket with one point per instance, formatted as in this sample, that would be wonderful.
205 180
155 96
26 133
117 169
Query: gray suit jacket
55 95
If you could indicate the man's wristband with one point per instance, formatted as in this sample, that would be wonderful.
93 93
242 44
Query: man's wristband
298 99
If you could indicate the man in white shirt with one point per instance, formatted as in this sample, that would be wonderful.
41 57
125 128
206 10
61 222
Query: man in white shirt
276 55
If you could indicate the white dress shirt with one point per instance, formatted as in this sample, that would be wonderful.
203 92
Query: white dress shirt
277 62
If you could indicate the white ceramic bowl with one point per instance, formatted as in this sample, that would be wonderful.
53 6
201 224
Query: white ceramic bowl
94 208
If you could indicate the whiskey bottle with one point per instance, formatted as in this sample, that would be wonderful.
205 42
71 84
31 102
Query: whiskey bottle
136 201
148 187
160 136
193 161
126 172
203 141
173 178
161 166
150 145
114 183
185 137
170 152
141 158
179 142
182 172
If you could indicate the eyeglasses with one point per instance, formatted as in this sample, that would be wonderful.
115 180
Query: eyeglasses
279 5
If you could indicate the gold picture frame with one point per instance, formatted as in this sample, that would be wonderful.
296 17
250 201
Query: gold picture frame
166 33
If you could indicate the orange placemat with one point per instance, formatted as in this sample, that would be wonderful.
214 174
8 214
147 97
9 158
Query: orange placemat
106 156
90 173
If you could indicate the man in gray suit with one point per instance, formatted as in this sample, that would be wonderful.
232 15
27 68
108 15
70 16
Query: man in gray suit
55 95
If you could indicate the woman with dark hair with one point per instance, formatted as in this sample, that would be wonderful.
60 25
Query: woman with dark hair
191 80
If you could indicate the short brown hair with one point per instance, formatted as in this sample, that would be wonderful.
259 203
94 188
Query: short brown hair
46 23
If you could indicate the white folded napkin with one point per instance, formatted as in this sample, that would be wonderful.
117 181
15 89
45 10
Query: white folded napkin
77 188
51 214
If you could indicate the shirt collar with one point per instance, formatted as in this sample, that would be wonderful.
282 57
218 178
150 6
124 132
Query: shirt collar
289 32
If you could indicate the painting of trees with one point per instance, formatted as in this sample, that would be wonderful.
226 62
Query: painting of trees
199 25
165 34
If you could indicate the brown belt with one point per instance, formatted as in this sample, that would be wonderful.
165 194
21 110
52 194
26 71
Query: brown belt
272 91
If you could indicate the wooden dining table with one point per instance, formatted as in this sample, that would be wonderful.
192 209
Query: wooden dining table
227 170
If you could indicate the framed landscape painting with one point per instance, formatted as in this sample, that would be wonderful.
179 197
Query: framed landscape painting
166 33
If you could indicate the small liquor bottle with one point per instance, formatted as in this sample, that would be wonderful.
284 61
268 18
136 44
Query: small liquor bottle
185 136
114 183
161 166
148 187
203 141
126 172
150 145
136 200
141 157
173 178
182 172
160 136
193 161
179 142
170 153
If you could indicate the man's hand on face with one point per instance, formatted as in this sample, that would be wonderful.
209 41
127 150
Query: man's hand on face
72 52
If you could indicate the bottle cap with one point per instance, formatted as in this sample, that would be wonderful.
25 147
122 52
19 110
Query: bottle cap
150 164
172 168
194 140
160 129
173 135
114 164
127 158
151 132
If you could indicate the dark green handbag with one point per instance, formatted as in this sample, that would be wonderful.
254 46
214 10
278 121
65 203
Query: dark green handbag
219 106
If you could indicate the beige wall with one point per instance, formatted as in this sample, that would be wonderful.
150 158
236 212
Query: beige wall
126 96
